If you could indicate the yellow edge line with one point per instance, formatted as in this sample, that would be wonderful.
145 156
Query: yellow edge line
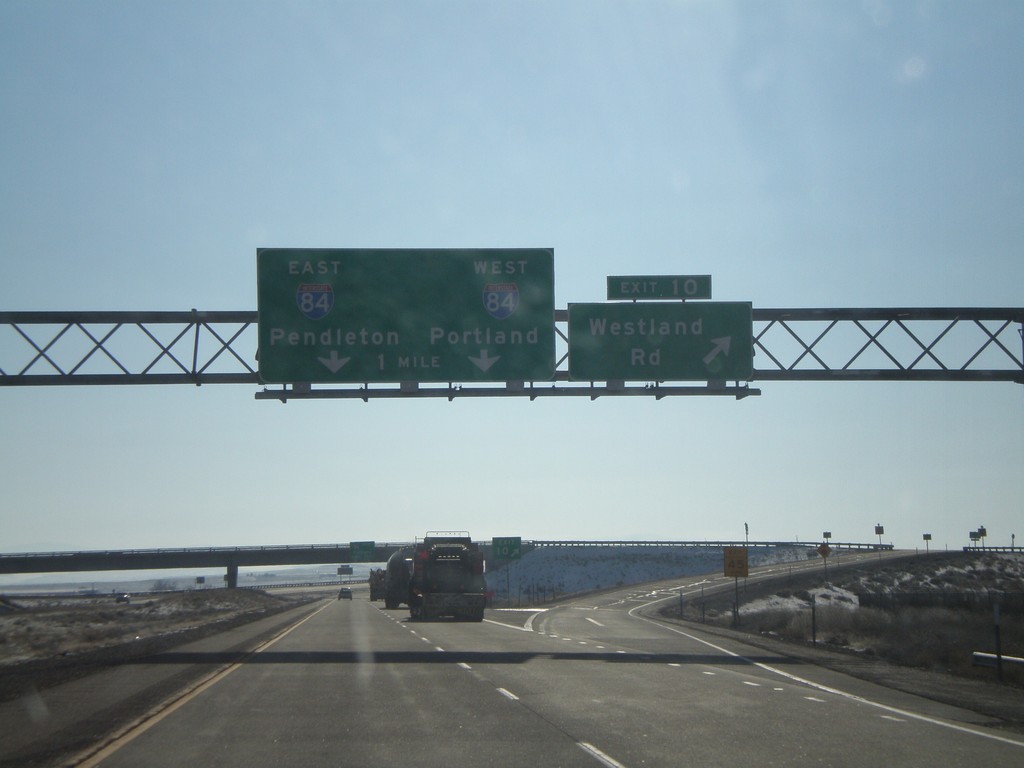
168 707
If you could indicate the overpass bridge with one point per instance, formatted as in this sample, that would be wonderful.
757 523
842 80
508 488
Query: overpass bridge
233 558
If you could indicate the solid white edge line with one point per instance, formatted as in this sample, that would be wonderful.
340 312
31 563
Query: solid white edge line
827 689
512 626
598 755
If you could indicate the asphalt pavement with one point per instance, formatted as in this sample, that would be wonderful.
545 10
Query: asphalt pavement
592 681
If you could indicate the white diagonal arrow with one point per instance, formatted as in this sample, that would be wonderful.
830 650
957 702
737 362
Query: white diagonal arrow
484 362
721 346
334 363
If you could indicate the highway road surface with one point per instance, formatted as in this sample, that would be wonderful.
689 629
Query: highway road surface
591 682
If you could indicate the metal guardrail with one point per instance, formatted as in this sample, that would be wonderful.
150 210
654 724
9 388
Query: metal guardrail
977 600
194 550
980 659
853 546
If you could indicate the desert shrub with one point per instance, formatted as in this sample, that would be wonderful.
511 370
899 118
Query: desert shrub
936 638
927 638
771 621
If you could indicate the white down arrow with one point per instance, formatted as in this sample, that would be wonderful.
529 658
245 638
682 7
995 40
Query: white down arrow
484 362
334 363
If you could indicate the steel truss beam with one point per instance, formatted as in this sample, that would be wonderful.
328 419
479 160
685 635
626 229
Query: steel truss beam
89 348
911 344
898 344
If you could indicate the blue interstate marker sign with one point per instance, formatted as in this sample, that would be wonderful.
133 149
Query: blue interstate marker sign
421 315
315 300
501 299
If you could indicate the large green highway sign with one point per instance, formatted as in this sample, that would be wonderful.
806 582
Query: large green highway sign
330 315
676 341
361 551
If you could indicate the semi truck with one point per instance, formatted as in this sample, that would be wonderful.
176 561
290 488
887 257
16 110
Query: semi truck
377 590
447 578
396 578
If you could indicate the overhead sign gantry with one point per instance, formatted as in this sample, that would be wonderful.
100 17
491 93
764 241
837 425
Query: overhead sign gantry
463 321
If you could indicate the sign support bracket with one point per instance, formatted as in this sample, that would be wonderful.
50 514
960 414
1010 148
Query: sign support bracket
593 391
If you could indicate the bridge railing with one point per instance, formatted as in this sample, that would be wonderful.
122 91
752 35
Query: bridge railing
859 546
308 554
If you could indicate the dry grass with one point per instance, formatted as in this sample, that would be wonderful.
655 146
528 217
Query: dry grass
939 639
926 638
33 628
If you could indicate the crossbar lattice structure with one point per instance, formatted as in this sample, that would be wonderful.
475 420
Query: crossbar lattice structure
220 347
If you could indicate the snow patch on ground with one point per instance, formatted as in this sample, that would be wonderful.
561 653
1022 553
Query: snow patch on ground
824 597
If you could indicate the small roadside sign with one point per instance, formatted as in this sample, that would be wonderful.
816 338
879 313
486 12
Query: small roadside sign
824 550
736 562
506 547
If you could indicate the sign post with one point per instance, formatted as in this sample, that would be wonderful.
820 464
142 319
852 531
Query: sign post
406 316
507 548
737 565
825 550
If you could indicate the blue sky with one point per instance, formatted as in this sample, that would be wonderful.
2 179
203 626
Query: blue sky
839 154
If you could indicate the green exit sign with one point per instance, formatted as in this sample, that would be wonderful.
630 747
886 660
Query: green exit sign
648 287
419 315
507 547
362 551
666 341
